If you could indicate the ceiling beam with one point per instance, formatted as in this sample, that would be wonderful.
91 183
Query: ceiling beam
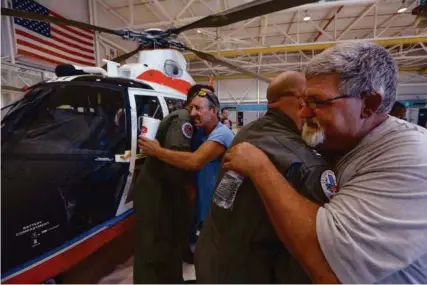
184 9
131 20
334 18
360 17
389 19
311 7
311 46
318 28
113 12
272 75
399 59
226 37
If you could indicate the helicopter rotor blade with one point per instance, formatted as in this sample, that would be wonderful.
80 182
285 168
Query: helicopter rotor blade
214 59
242 12
55 20
11 88
125 56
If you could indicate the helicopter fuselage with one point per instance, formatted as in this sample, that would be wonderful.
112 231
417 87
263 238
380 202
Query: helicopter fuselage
65 171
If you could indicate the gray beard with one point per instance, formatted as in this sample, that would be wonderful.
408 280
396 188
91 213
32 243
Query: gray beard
311 136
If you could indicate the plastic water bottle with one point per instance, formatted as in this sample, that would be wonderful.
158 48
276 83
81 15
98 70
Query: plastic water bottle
226 190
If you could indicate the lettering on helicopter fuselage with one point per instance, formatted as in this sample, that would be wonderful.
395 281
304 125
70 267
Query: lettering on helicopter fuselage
104 159
32 227
36 230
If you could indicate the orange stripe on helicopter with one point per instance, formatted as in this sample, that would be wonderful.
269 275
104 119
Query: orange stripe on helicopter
160 78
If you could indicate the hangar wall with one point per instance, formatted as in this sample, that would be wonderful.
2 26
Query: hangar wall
244 95
81 11
250 91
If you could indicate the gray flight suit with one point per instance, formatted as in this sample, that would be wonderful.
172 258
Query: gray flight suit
164 212
239 245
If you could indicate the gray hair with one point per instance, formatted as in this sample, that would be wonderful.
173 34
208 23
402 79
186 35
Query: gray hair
363 67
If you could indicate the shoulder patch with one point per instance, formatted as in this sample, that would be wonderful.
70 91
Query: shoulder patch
329 183
187 130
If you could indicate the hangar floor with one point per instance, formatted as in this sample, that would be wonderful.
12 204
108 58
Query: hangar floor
112 264
123 274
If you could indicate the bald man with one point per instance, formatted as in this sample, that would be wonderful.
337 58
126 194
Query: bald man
239 245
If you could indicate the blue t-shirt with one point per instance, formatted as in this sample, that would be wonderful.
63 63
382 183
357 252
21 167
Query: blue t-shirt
206 177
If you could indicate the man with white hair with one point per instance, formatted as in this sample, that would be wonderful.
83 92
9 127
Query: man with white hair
374 228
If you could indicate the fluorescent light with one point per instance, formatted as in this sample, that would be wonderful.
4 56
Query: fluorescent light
307 18
401 10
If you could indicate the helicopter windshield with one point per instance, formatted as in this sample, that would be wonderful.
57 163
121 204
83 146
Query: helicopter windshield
65 119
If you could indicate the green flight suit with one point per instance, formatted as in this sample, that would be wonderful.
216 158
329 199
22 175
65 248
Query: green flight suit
163 209
239 245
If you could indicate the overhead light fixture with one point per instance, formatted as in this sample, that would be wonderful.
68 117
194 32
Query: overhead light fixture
199 31
403 7
307 18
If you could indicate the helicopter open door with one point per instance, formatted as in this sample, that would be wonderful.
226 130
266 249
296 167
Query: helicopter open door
141 103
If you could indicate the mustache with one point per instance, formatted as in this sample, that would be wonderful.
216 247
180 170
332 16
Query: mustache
312 133
311 122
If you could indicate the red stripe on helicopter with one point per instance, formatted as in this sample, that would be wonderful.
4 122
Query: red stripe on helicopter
64 261
160 78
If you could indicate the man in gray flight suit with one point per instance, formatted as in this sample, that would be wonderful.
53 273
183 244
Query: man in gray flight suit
239 245
164 205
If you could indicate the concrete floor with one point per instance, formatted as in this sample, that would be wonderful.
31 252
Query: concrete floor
112 264
123 273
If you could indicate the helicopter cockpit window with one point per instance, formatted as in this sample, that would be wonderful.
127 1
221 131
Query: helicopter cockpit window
67 119
174 104
148 106
173 69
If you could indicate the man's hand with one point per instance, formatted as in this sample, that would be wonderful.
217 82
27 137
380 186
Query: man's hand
245 159
149 147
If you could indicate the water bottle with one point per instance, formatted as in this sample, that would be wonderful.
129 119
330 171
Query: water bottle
226 190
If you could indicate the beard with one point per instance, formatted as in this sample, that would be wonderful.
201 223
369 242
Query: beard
312 133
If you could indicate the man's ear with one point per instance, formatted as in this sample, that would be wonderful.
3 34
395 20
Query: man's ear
371 104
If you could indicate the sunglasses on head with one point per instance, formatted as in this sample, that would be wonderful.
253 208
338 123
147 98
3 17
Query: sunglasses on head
208 94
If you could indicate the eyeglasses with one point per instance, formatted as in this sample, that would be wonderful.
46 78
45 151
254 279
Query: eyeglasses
312 104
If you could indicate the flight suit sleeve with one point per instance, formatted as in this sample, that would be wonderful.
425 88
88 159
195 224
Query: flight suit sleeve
178 138
309 175
318 183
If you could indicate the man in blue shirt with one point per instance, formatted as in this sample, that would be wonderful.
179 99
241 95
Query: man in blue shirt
206 176
210 142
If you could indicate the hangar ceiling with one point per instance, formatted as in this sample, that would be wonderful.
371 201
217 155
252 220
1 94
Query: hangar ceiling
286 39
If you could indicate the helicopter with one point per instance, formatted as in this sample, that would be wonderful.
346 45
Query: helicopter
69 157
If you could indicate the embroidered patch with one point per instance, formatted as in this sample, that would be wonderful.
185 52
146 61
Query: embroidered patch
187 130
329 183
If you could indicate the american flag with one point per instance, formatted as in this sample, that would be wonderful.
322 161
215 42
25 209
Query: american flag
50 42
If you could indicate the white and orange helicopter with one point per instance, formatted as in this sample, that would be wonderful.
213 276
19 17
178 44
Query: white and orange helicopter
69 147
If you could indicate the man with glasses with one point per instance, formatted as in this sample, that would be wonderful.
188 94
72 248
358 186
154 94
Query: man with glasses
210 141
238 244
374 228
